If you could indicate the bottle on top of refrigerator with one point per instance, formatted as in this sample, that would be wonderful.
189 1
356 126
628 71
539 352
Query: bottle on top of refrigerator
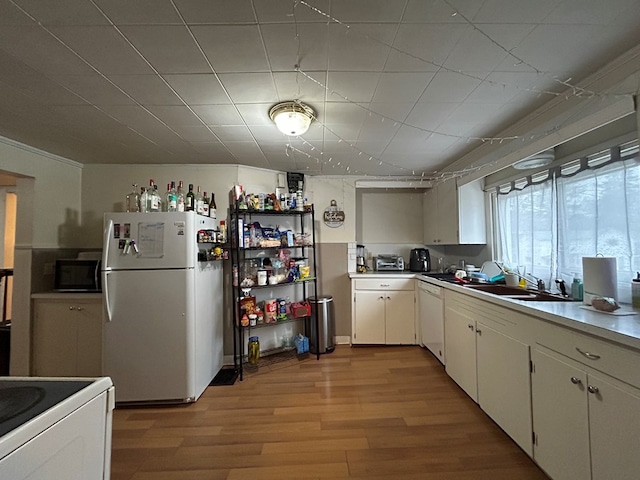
144 200
212 207
180 197
205 205
156 201
190 202
172 198
198 202
132 202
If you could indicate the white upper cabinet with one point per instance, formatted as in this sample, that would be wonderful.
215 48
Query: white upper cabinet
455 215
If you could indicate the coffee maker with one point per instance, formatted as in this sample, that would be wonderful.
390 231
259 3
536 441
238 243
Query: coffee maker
361 259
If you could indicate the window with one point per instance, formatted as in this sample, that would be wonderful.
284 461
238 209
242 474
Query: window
586 207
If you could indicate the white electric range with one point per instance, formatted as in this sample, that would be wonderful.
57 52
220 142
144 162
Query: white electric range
55 428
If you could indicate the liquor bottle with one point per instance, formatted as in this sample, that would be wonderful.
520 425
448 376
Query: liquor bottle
212 207
144 200
190 199
156 201
199 202
180 197
171 197
205 205
132 203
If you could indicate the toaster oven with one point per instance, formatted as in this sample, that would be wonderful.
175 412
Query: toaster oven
389 263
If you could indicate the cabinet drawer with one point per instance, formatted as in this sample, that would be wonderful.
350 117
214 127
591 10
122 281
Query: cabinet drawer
612 359
384 284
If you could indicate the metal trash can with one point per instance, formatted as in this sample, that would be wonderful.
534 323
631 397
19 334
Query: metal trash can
323 305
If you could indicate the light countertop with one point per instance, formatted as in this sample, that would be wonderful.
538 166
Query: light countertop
624 330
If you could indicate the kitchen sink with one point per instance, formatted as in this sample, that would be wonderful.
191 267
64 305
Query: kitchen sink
497 289
516 293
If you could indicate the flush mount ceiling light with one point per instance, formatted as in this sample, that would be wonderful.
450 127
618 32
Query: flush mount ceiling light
541 159
292 118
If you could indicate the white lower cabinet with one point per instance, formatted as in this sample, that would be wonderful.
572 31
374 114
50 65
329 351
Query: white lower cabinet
490 366
460 346
586 423
504 387
383 312
67 337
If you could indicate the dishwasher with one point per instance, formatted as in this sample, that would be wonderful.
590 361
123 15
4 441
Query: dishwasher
431 319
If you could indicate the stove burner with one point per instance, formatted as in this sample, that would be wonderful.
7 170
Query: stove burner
17 400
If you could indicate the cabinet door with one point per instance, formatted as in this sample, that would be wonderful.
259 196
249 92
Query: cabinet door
460 350
504 383
560 418
448 212
430 206
55 340
614 418
369 317
400 318
89 325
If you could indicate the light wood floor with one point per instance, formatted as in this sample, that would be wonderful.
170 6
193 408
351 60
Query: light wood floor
358 413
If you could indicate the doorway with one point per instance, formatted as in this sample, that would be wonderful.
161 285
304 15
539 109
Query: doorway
8 206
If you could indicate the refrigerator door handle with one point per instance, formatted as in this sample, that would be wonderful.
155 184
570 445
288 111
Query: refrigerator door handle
106 295
105 249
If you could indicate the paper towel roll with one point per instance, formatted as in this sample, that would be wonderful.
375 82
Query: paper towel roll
600 277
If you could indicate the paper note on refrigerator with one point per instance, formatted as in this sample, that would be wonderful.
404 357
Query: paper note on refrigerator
151 239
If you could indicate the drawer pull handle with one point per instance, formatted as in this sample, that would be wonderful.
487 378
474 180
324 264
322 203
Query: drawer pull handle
470 327
384 284
478 331
76 308
590 356
576 380
593 389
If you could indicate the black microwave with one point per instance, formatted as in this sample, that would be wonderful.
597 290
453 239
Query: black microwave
77 275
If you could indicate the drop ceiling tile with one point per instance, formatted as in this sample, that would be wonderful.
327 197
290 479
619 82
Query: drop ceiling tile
235 133
500 87
402 87
12 15
438 11
175 115
600 13
218 114
354 86
363 53
280 12
194 133
424 47
343 113
103 48
295 86
148 12
393 112
198 89
514 11
256 114
30 83
41 51
249 87
146 89
220 11
232 48
212 148
63 12
135 116
428 115
286 47
95 89
170 49
451 87
267 134
475 52
356 11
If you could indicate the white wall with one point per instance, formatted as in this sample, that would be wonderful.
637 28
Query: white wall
56 193
320 190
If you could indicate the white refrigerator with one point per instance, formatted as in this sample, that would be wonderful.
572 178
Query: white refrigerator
162 329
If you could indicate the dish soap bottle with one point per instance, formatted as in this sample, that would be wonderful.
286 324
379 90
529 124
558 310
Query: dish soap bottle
635 292
577 288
